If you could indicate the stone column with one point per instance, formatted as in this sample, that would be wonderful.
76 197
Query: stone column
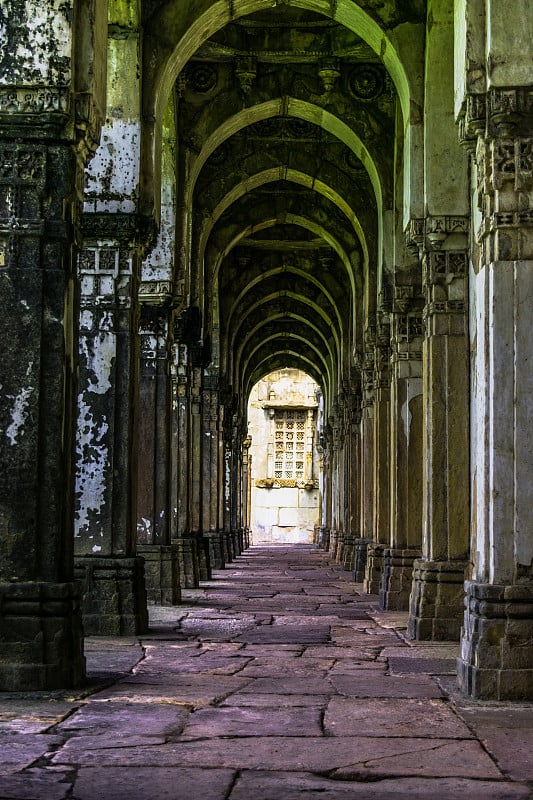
381 482
406 449
187 331
374 561
196 469
356 557
327 449
247 490
40 620
153 496
114 597
437 594
210 465
230 534
496 660
336 532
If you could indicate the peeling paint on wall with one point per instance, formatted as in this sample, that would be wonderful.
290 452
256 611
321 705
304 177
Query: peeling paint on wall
35 42
92 465
19 414
98 353
113 174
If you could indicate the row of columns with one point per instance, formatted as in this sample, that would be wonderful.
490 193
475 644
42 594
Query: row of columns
170 460
410 529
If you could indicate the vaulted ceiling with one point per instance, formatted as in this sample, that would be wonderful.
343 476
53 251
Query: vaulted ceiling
287 141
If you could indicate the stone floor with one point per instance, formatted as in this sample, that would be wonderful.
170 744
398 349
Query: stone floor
274 681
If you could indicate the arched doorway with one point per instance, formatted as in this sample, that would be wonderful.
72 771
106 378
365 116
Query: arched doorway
284 417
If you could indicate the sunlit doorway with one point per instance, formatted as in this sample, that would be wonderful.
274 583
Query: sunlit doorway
284 414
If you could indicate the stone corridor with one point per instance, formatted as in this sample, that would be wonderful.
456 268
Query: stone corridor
273 681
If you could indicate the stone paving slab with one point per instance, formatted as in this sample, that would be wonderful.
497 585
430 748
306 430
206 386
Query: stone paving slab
286 634
335 651
274 701
293 669
348 758
261 688
303 786
170 783
127 719
19 715
20 750
373 717
371 684
220 629
36 784
390 619
190 690
422 650
512 749
252 721
207 665
418 666
345 666
283 686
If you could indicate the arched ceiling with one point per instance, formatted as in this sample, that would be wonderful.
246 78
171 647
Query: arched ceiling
288 121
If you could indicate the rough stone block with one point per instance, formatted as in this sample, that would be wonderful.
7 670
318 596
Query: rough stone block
41 636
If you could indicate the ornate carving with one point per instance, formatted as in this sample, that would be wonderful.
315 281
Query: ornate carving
202 78
438 228
118 226
155 292
246 73
444 265
329 73
367 82
512 160
34 100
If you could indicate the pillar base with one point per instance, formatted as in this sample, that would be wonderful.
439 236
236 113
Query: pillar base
496 661
348 552
360 557
41 636
227 547
216 549
161 569
114 595
437 600
188 561
324 535
204 559
395 590
374 568
246 538
237 543
333 543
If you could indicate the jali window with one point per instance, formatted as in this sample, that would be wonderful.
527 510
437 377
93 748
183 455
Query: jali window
289 444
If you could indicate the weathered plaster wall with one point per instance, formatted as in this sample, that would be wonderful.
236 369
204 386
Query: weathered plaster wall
35 42
112 177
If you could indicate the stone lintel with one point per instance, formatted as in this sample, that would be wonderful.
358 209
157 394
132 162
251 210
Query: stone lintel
114 595
437 600
161 569
496 660
41 636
